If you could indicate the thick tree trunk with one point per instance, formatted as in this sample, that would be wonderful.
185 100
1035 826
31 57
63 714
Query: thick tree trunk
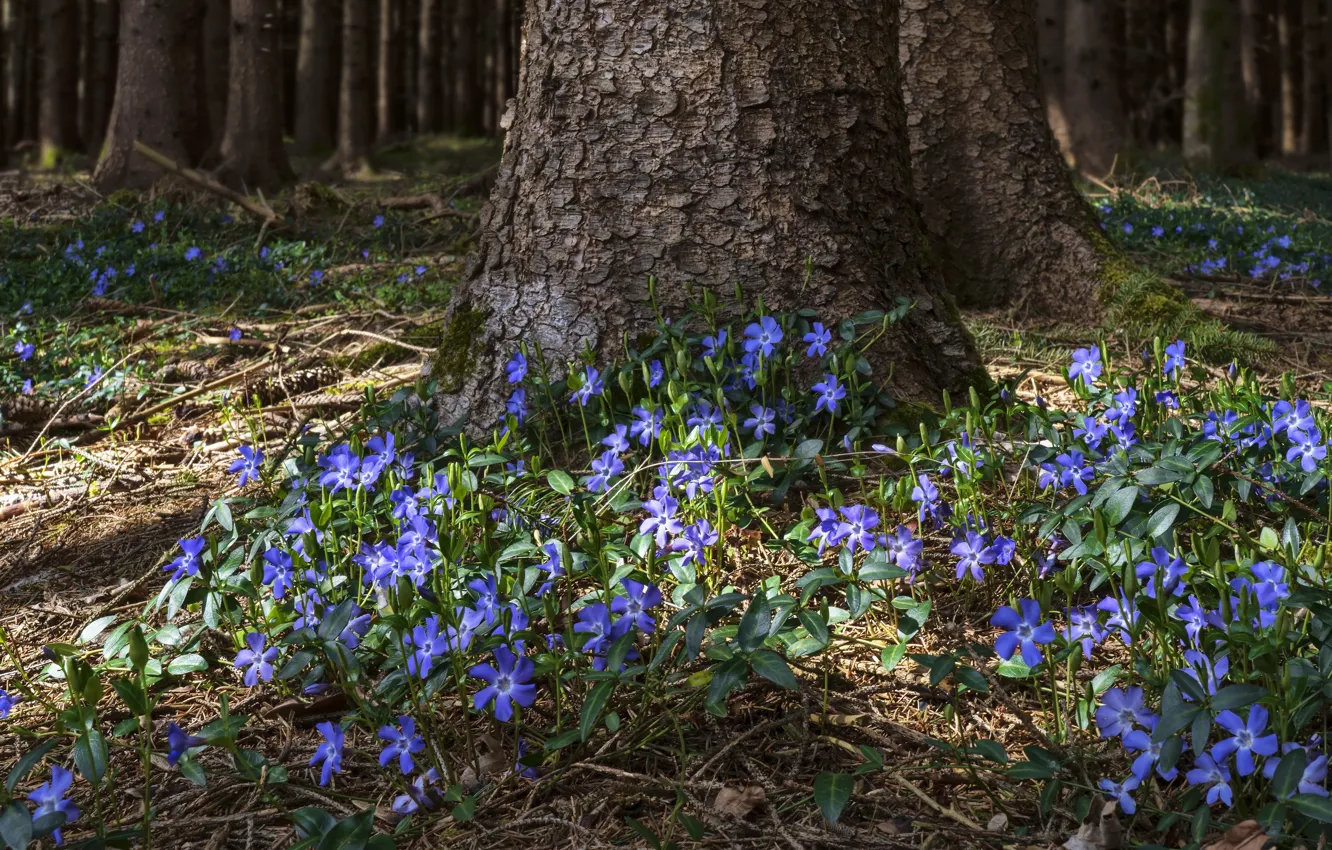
1255 56
252 151
1091 92
154 87
466 77
386 77
1217 134
1147 72
712 143
216 60
1288 59
1313 119
316 66
996 198
427 68
354 106
99 79
58 122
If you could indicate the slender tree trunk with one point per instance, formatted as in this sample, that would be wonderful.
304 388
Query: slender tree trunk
216 59
59 113
99 81
354 106
1255 57
996 198
1313 119
1217 134
252 151
447 113
503 47
466 80
1091 94
154 87
386 78
427 68
709 174
408 17
32 73
316 65
14 49
1290 91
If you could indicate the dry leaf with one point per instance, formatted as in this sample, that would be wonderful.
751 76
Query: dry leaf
1245 835
738 802
1098 833
998 823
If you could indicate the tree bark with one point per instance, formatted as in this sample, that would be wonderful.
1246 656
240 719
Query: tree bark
714 143
466 79
99 80
316 116
252 151
354 107
1217 134
154 87
386 78
14 49
427 68
1091 93
58 121
446 24
996 199
216 60
503 47
1255 54
1313 119
1290 91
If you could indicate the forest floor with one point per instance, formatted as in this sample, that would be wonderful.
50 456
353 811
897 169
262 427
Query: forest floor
155 362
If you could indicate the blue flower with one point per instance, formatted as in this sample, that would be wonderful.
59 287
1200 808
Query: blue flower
646 426
928 496
1269 586
256 660
694 542
234 335
591 386
1157 232
1315 769
661 520
1247 739
1206 771
829 392
403 742
655 373
1174 358
1172 568
420 794
604 469
50 798
516 369
136 227
159 215
316 276
1121 710
1025 632
1167 399
972 551
712 345
617 440
904 549
856 525
506 683
329 753
594 621
1124 616
1149 754
188 563
247 466
1084 625
192 254
634 605
516 406
7 703
1128 228
24 350
178 742
763 336
378 221
1119 792
761 422
278 571
818 340
1307 448
340 469
1086 365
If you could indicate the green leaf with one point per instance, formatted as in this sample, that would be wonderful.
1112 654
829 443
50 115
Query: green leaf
191 663
90 756
1289 772
972 678
26 764
350 833
16 826
1118 506
770 666
222 512
1172 722
726 677
1202 488
335 621
832 791
1030 770
1237 696
1314 806
754 624
1155 476
192 770
808 448
560 741
48 823
1162 520
991 750
814 624
592 706
560 481
1189 684
312 822
132 695
892 655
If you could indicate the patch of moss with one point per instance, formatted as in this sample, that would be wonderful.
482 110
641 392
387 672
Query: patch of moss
456 357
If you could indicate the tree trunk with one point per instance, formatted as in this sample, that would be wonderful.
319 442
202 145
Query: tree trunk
354 109
996 198
427 68
252 152
216 57
502 86
1091 94
14 50
99 80
315 99
1217 134
446 24
58 121
1290 91
1313 120
466 80
1255 56
1147 71
386 78
154 89
718 144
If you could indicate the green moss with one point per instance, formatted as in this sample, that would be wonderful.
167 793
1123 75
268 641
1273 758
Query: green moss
456 357
123 198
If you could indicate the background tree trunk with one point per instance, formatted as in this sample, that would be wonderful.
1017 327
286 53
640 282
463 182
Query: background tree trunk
154 84
99 79
996 198
1288 59
1313 119
58 128
252 151
427 68
386 79
15 84
503 47
316 96
1255 54
216 62
354 111
466 79
1217 134
1091 94
699 164
446 24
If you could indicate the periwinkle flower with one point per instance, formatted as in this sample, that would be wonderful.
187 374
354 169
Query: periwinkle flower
403 743
1174 358
1121 710
1025 632
763 336
592 386
247 465
661 521
179 742
617 439
50 798
187 564
24 350
761 423
329 753
279 571
256 660
713 345
1247 739
1313 780
1086 365
818 339
694 542
516 369
604 469
646 425
1120 792
1307 447
7 703
972 552
1171 568
507 682
634 605
1207 771
1084 625
828 393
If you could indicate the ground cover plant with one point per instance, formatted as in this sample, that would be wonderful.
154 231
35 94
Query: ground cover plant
725 571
